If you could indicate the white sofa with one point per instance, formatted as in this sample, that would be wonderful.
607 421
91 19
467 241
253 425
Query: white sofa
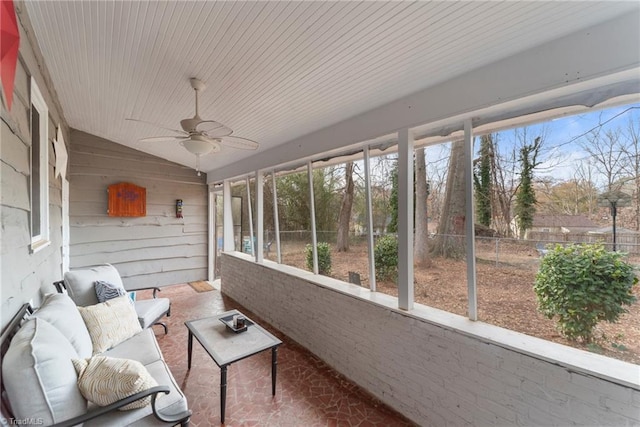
39 381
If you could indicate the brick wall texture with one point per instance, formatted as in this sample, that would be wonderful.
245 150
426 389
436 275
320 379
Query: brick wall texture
433 375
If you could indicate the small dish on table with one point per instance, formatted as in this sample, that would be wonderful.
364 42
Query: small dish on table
229 323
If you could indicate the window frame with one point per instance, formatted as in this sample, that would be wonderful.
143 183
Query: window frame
41 239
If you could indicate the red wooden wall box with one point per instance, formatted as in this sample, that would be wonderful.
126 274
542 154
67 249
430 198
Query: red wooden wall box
126 199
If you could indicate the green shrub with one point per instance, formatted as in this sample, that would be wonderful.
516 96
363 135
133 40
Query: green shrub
583 285
386 257
324 258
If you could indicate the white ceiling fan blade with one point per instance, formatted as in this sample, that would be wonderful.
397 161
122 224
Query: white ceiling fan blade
158 126
213 129
163 138
238 142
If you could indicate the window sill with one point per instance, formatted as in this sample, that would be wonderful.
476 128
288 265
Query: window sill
38 245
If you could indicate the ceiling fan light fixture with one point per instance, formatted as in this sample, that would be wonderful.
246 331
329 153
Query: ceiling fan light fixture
198 148
200 145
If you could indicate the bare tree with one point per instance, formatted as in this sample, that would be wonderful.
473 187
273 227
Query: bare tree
420 246
572 197
449 242
583 176
506 170
437 173
632 150
607 154
342 243
525 206
381 171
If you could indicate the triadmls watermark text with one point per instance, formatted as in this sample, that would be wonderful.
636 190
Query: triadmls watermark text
23 421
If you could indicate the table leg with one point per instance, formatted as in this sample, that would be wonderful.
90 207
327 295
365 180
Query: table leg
223 391
274 366
189 349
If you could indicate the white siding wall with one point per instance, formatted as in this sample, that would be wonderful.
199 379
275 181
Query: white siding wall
430 371
24 275
156 250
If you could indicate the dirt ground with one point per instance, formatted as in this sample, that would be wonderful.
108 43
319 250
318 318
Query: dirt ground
504 290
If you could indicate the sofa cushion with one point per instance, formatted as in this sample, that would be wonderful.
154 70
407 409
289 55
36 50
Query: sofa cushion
111 322
105 380
106 291
60 311
39 377
81 283
142 347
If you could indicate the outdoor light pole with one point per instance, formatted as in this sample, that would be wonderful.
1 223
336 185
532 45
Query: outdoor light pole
615 200
614 212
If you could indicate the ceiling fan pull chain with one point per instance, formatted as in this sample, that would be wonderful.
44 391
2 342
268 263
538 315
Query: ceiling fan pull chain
198 163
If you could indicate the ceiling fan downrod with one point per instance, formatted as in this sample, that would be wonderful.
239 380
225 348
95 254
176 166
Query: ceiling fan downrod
197 86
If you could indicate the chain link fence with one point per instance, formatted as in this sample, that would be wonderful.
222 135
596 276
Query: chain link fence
499 250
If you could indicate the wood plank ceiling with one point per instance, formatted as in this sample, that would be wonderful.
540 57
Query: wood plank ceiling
274 70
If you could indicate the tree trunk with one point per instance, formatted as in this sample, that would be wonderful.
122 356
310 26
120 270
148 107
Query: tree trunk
449 242
504 189
420 247
342 243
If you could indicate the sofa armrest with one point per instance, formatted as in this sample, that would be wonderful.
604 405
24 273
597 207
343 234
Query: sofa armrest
173 419
155 290
61 287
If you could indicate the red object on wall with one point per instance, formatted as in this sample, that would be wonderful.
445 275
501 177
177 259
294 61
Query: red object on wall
9 45
126 199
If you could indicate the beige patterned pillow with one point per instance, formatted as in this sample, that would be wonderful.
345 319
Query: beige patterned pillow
104 380
111 322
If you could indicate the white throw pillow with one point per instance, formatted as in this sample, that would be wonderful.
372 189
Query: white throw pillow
104 380
38 375
60 311
111 322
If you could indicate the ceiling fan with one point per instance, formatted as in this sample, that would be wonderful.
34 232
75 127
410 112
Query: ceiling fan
200 137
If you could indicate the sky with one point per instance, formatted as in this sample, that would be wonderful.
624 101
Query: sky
565 136
562 150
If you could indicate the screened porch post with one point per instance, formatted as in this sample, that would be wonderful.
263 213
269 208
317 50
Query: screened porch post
227 214
370 247
314 240
211 221
276 221
405 220
259 254
250 209
470 220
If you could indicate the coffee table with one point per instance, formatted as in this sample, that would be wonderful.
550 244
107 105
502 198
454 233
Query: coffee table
225 346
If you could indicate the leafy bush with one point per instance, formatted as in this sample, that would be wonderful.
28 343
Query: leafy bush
582 285
324 258
386 257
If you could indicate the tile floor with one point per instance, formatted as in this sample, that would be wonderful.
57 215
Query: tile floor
308 393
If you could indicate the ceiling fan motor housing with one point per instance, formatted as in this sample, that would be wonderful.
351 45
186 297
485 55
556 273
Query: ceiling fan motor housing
190 125
197 84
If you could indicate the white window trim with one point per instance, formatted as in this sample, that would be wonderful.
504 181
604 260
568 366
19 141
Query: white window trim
37 101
